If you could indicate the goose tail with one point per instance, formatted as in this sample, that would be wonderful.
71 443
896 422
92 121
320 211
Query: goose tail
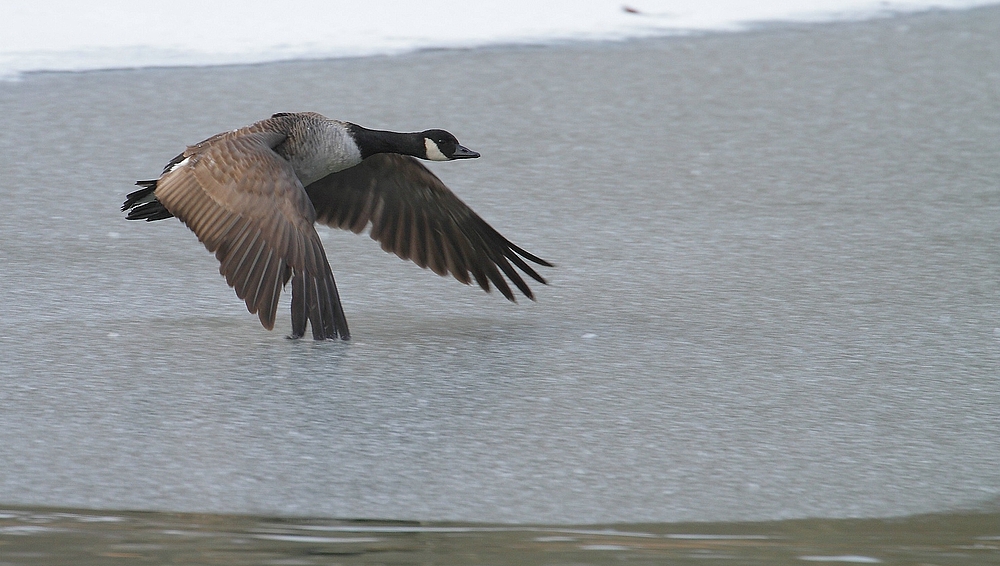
143 204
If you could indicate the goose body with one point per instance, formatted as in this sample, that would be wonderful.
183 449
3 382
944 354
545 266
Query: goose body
253 196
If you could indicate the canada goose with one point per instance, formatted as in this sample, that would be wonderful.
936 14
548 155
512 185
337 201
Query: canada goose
252 197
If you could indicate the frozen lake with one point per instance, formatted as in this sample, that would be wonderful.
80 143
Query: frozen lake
777 290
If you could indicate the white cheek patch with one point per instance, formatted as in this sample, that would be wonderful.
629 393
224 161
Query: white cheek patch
433 153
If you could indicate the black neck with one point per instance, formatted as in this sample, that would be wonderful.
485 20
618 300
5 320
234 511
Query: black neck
371 142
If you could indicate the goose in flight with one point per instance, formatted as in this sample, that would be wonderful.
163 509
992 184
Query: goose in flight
253 196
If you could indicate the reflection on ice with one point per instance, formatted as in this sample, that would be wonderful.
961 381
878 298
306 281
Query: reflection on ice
30 537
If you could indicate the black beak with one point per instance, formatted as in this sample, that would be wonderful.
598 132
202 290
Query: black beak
462 152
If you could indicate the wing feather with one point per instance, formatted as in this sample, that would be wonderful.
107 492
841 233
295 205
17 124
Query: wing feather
246 205
414 215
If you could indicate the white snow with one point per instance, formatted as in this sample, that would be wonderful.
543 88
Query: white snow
63 35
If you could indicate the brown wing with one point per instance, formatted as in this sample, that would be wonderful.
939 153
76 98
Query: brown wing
246 205
415 216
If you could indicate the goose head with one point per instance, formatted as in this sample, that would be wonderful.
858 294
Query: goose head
440 145
433 145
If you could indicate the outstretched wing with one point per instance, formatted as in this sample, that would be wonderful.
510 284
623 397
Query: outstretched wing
415 216
246 205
